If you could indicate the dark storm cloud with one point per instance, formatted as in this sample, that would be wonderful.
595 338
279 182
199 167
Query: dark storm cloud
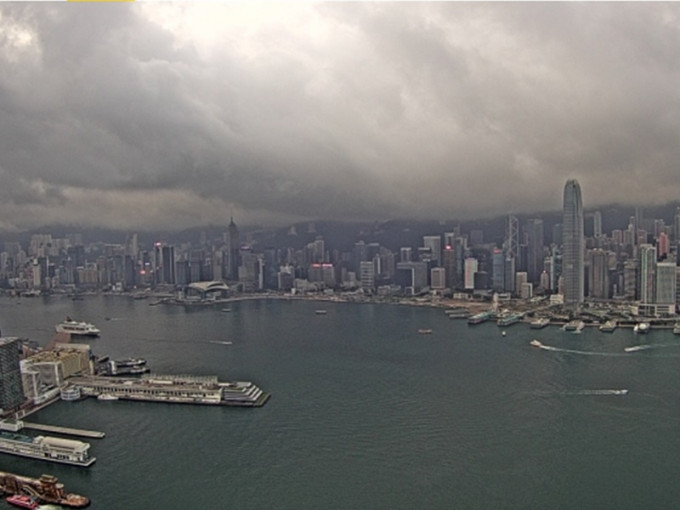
174 115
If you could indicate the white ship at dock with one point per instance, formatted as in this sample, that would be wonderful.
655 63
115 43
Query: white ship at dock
177 389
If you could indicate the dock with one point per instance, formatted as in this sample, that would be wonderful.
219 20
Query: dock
93 434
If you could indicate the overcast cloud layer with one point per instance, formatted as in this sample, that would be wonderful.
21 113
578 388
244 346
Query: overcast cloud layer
157 116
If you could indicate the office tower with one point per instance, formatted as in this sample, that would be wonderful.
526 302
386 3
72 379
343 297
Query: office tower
663 245
647 274
449 265
665 288
434 243
498 270
676 225
572 244
598 274
234 251
438 278
597 224
471 267
405 254
512 237
534 231
11 389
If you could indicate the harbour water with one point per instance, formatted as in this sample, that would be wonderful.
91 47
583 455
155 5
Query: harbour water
366 413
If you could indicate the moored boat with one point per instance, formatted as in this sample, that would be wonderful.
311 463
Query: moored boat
22 501
540 323
676 328
641 328
575 325
478 318
508 319
608 327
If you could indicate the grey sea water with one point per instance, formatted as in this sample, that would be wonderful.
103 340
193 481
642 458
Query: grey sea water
368 414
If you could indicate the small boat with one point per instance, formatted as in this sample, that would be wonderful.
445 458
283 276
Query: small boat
424 331
22 501
539 323
320 312
226 310
641 328
676 328
536 343
503 333
608 327
106 396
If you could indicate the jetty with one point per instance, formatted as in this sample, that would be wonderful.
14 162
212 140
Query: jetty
92 434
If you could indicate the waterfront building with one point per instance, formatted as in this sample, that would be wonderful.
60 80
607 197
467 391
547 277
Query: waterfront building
573 244
367 275
438 278
11 388
471 267
521 278
665 288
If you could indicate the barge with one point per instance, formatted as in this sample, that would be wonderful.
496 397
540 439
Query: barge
45 490
176 389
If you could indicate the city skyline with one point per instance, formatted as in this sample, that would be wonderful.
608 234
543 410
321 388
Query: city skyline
157 117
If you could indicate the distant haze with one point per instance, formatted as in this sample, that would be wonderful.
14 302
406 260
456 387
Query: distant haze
172 115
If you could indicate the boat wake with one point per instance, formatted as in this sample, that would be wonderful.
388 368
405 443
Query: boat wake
597 392
644 347
538 344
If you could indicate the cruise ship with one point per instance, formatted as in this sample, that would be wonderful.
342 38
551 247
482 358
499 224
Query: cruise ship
540 323
174 389
52 449
608 327
76 328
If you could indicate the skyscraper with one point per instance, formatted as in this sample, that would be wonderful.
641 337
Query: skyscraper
233 249
11 390
572 244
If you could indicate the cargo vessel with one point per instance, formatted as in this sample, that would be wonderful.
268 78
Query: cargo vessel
44 490
51 449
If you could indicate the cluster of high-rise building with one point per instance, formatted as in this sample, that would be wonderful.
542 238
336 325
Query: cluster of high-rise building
637 263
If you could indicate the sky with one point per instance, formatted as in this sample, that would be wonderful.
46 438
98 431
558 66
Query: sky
157 116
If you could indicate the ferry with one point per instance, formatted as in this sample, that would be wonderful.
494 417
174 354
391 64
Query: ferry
457 313
22 501
77 328
128 366
641 328
52 449
478 318
608 327
424 331
676 328
575 325
540 323
508 319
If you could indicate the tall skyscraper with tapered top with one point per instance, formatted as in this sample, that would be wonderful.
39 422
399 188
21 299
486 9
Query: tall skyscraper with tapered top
573 244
